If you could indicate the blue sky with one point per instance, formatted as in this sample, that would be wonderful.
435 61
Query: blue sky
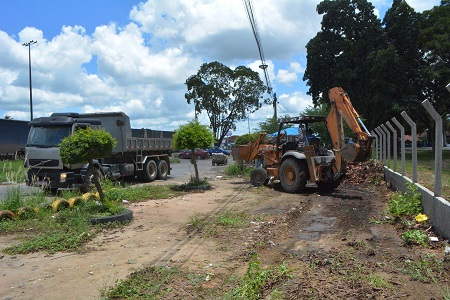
135 56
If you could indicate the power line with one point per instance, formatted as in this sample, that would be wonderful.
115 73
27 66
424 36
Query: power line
249 9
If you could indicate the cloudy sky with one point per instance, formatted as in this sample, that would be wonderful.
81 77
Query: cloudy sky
134 56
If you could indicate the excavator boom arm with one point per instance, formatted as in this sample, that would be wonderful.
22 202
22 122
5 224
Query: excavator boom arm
342 108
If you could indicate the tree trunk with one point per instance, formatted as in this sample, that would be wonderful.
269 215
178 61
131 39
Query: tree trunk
194 162
96 180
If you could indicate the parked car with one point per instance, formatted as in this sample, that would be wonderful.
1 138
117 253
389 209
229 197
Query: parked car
217 149
199 154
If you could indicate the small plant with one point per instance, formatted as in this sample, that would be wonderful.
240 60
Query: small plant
415 236
174 160
445 293
427 269
377 281
232 219
13 200
237 169
257 279
197 182
407 204
12 171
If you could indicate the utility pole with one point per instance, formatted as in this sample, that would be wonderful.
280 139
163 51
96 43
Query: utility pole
29 73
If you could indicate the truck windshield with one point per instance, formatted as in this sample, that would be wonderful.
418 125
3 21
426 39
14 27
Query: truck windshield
47 136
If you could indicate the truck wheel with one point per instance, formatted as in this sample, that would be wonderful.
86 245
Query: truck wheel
88 179
258 177
163 170
150 171
293 176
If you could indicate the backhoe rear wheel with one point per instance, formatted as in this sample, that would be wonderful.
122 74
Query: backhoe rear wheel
293 175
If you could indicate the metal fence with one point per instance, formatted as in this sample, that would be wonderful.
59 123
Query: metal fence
436 207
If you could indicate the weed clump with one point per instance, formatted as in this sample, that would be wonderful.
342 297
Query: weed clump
405 204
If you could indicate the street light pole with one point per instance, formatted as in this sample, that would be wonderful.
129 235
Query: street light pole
29 73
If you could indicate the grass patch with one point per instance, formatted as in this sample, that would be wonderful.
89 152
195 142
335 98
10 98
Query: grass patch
415 236
257 282
377 281
12 171
427 269
445 293
237 169
425 170
218 225
41 229
152 282
174 160
405 204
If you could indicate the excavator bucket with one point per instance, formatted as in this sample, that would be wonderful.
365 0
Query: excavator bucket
362 151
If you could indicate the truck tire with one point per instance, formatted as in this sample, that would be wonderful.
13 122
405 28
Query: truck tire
150 171
258 177
163 170
293 176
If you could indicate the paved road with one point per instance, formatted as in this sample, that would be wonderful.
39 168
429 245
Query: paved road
181 173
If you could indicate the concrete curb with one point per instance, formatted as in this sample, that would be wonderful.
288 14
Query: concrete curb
436 208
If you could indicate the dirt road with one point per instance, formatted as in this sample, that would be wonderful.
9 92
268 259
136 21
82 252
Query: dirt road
326 239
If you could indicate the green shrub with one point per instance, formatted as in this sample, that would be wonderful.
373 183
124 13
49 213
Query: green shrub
406 204
415 236
237 169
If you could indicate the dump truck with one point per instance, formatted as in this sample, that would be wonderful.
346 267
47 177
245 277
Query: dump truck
13 137
295 163
139 153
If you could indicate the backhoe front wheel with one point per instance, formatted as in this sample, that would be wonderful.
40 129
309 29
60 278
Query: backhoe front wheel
293 175
258 177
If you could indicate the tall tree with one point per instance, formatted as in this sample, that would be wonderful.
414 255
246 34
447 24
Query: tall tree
394 70
434 41
270 125
338 54
226 96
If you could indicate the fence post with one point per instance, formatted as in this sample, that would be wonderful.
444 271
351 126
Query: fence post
376 144
388 139
437 148
414 144
394 141
380 134
402 143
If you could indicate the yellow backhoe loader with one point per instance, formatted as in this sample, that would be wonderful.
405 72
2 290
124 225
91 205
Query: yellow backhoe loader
295 163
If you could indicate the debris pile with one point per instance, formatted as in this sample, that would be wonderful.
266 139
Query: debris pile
365 172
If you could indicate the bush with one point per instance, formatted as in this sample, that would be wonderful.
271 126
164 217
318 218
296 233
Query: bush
415 236
238 169
407 204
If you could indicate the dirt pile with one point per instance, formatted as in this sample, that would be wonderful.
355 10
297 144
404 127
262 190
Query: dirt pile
369 172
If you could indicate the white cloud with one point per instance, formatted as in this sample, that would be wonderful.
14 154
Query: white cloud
140 67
